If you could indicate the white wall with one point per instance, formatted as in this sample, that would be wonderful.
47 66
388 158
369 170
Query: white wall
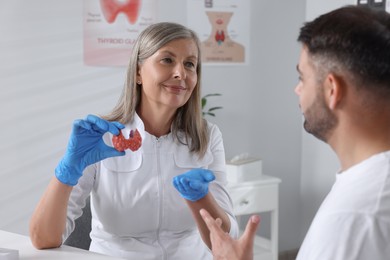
319 163
45 86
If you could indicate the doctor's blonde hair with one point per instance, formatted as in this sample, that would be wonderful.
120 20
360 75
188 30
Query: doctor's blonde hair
188 118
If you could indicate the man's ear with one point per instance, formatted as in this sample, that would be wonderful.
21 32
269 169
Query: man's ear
334 87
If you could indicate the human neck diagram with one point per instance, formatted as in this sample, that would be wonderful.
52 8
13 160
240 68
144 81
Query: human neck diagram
219 47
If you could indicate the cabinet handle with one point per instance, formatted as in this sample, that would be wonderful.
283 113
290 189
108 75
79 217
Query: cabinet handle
244 202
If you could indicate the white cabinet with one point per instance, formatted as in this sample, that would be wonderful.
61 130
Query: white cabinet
254 197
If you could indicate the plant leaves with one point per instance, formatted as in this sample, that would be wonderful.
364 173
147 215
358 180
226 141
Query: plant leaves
212 95
204 103
214 108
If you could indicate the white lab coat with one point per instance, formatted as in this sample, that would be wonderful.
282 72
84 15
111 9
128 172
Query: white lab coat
136 211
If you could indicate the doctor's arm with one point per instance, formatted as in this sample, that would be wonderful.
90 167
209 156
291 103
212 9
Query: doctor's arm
209 203
85 147
193 187
48 220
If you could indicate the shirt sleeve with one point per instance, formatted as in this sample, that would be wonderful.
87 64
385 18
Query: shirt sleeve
77 199
218 187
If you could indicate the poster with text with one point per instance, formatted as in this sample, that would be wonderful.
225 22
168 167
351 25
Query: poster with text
223 29
112 26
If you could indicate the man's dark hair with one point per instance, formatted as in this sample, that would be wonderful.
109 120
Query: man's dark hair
355 40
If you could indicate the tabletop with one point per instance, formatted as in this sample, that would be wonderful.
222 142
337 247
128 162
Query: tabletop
26 250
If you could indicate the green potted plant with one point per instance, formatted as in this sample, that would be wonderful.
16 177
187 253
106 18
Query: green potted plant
209 111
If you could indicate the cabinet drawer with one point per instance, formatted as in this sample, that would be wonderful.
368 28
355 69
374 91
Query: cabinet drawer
252 199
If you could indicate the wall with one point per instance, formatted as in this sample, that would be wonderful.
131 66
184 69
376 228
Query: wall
45 86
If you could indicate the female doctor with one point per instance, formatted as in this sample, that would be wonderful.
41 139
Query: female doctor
145 204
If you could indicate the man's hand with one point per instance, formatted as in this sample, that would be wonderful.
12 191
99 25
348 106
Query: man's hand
226 248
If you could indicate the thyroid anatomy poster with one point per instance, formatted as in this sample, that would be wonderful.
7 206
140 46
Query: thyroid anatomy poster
223 28
111 28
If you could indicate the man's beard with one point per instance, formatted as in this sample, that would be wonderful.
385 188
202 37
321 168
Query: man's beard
319 120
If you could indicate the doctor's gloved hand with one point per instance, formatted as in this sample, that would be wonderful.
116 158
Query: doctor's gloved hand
194 184
86 147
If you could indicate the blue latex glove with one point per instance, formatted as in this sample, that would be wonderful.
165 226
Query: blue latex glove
194 184
85 147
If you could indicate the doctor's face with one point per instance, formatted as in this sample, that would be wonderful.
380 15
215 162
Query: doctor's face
169 76
318 118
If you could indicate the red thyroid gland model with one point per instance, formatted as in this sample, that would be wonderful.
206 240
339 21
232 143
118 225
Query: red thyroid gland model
133 143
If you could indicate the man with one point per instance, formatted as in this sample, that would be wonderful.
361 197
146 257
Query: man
344 95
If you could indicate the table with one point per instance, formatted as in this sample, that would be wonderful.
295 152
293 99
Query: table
261 195
28 251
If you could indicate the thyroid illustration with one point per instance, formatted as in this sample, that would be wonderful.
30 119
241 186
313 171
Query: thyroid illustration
111 9
219 46
220 37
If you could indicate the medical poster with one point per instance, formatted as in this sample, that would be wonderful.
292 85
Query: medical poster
223 28
112 26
